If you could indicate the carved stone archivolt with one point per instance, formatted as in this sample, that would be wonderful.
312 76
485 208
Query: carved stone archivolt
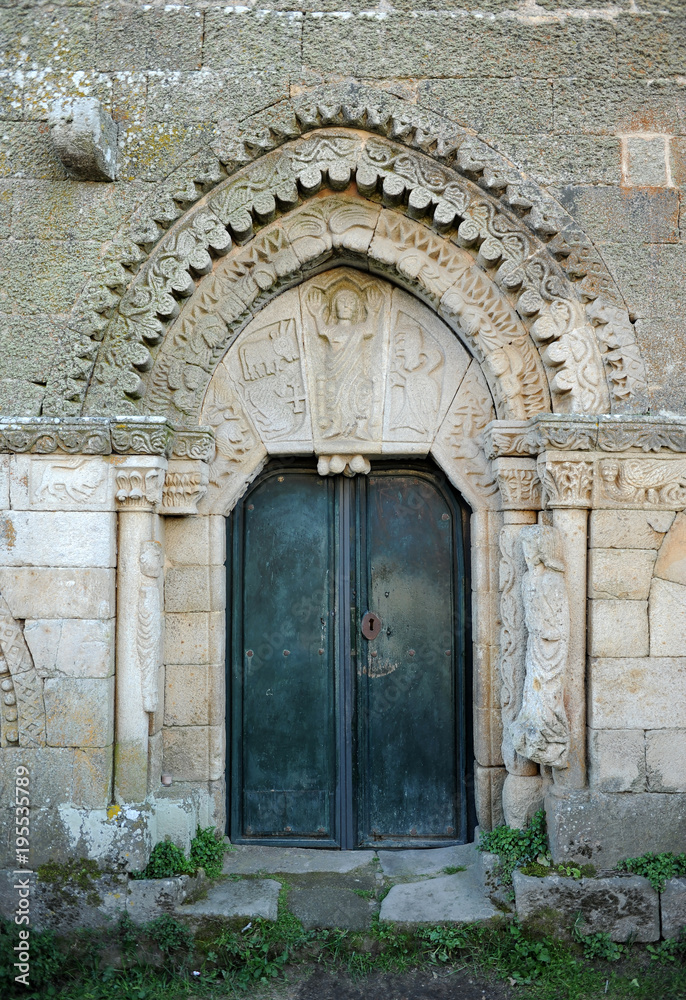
544 318
348 367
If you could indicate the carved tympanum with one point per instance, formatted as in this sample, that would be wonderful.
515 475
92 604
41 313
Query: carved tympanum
541 730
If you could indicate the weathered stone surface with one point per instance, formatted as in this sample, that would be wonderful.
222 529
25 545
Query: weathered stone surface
150 898
522 797
79 711
514 105
641 693
331 900
58 593
628 529
457 898
488 793
601 828
609 106
129 38
61 483
85 138
666 760
624 574
673 907
63 905
427 862
53 538
671 558
245 40
250 860
194 588
92 787
609 213
618 628
249 898
617 759
193 637
645 161
186 752
625 907
73 647
667 613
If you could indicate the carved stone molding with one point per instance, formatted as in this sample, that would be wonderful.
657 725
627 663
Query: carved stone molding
520 487
104 436
558 432
583 351
185 484
646 483
422 164
149 624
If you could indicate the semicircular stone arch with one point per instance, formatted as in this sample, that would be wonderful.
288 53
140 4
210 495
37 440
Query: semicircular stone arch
341 196
347 367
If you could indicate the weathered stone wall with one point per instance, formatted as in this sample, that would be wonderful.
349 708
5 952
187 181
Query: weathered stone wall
588 99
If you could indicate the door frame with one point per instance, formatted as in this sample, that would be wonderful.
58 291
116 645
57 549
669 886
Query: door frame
346 820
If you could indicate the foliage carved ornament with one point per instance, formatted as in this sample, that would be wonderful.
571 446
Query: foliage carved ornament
574 325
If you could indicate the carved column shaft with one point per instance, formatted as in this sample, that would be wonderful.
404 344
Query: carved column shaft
572 526
139 494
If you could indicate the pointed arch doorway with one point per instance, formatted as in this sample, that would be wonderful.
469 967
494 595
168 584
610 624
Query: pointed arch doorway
348 665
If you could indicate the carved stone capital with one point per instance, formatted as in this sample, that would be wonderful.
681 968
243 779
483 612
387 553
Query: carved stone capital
567 479
138 484
184 485
520 487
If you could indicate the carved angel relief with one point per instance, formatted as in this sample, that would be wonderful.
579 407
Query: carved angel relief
149 626
541 730
344 342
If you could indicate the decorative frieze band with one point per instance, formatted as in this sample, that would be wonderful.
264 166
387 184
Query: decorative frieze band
105 436
561 432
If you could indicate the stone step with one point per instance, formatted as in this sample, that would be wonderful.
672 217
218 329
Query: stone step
249 898
459 898
251 860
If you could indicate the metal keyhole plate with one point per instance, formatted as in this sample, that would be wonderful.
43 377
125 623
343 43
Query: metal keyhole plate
371 625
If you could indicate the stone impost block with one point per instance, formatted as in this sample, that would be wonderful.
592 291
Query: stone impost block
624 574
666 759
602 828
628 529
618 628
72 647
79 711
58 593
617 760
195 588
625 907
61 482
673 907
186 752
56 538
641 693
667 608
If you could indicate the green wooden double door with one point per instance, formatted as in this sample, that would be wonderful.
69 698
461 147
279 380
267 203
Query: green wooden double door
348 716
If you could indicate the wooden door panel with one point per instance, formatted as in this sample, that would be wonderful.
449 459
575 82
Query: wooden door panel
284 672
407 695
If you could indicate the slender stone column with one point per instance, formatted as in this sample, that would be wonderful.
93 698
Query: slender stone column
138 494
567 479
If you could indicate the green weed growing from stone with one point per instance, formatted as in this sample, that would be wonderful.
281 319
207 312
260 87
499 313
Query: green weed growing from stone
657 868
516 847
167 860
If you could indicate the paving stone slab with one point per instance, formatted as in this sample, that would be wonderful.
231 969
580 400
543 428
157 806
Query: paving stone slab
332 901
245 898
396 864
673 907
251 860
622 906
449 898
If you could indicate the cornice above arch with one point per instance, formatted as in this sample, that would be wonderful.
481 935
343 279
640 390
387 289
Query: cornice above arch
439 199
